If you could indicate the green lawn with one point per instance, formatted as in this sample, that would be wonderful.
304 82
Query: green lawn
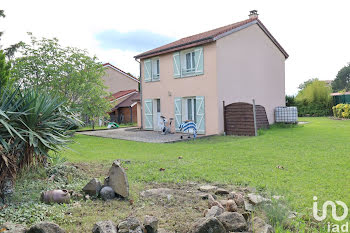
315 157
105 127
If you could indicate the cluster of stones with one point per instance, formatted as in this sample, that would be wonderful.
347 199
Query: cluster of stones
129 225
115 184
42 227
231 214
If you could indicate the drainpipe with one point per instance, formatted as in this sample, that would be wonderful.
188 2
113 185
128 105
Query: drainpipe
140 94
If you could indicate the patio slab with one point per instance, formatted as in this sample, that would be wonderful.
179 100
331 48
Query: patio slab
135 134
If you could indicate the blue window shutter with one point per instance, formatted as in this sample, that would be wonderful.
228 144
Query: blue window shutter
199 66
149 114
200 114
147 70
176 65
178 113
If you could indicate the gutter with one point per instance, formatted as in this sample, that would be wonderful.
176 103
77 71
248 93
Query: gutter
140 94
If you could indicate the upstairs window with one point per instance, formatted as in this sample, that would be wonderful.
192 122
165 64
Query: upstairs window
151 70
188 62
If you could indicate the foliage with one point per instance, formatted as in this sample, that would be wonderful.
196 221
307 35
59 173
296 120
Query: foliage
67 72
31 124
306 83
341 111
25 206
4 69
314 99
342 81
290 100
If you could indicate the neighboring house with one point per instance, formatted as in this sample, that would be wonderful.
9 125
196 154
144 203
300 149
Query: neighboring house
117 80
328 83
190 78
125 107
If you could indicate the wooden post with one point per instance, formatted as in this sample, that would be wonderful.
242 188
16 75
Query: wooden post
254 114
223 110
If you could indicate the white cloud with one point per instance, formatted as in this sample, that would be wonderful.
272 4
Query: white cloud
313 32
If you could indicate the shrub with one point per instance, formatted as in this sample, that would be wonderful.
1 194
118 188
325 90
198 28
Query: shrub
341 111
314 100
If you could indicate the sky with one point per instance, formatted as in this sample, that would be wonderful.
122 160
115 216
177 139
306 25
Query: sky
314 32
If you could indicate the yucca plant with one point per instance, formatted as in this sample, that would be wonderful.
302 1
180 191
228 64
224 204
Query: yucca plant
31 124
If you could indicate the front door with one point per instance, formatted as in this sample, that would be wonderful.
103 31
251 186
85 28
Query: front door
158 120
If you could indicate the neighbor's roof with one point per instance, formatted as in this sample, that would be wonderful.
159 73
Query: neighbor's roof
340 93
121 94
120 71
210 36
129 102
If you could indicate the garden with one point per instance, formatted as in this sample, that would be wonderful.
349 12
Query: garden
297 162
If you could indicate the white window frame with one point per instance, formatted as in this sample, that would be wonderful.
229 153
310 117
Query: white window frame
155 77
185 116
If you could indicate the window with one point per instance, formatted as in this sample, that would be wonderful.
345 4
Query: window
191 109
155 70
188 62
151 69
158 105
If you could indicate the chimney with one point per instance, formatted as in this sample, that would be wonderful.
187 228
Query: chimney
253 14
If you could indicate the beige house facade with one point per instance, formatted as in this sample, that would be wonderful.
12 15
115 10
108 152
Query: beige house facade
117 80
190 78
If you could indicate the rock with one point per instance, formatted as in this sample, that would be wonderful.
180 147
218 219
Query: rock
45 227
150 223
156 193
246 215
87 197
259 226
130 225
221 191
204 196
206 225
55 196
118 180
107 193
239 199
9 227
233 221
214 211
292 214
212 202
231 206
104 227
223 202
248 206
93 187
207 188
256 199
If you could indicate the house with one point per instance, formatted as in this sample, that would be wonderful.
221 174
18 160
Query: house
117 80
190 78
341 98
126 107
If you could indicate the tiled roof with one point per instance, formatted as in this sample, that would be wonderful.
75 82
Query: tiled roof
121 94
207 37
340 93
123 72
129 101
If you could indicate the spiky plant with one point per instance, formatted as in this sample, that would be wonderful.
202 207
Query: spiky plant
31 124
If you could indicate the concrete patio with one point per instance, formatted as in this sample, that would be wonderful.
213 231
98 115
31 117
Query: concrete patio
135 134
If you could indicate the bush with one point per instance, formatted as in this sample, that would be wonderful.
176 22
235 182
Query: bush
290 100
341 111
314 100
314 109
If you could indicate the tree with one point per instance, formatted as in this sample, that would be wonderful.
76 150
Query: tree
67 72
4 69
306 83
342 81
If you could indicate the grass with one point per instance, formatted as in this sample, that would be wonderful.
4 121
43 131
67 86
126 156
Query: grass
105 127
315 158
